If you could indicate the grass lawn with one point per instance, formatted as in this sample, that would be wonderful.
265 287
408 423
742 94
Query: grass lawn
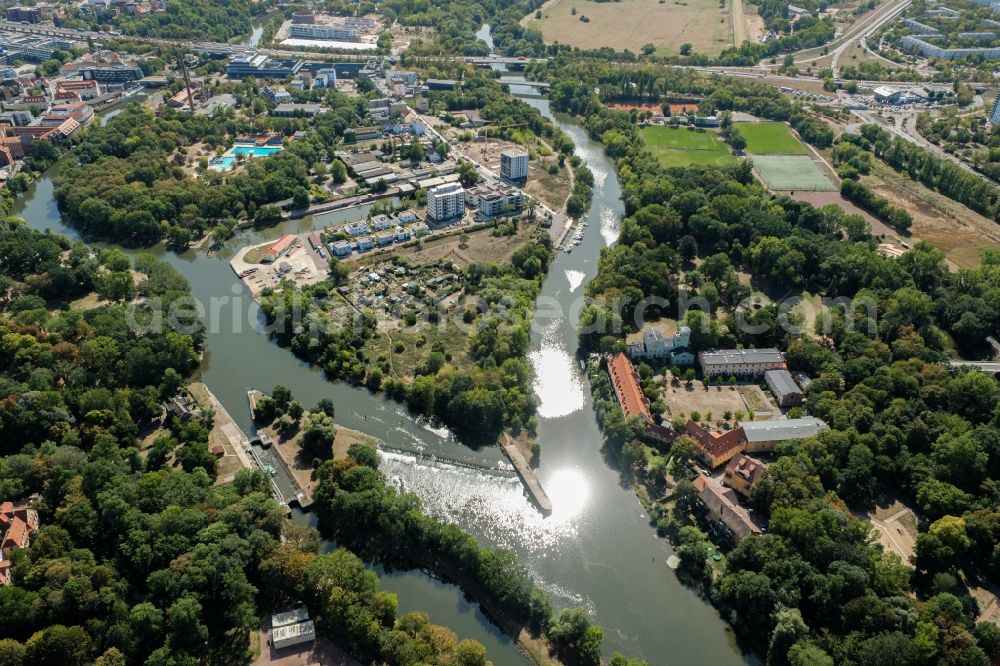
675 146
771 139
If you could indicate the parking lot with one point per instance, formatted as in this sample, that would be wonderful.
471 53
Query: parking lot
301 264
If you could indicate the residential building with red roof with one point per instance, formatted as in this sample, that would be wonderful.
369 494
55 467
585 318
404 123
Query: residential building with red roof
17 523
716 449
742 473
16 536
722 508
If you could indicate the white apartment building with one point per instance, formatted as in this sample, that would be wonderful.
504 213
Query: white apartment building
514 164
492 201
445 201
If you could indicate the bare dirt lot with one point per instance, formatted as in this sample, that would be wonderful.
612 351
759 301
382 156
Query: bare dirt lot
960 233
897 528
716 400
630 24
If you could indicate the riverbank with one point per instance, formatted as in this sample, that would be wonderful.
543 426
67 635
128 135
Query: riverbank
224 433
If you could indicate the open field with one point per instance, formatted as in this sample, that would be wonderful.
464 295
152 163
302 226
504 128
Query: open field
479 246
770 139
630 24
791 172
551 190
418 341
675 146
960 233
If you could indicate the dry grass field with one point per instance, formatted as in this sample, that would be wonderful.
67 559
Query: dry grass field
479 245
960 233
630 24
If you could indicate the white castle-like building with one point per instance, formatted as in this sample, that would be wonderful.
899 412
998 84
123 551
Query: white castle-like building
672 349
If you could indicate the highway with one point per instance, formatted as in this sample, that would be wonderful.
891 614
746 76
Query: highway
863 28
867 29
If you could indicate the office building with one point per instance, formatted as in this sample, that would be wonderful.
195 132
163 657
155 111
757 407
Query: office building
291 628
445 202
24 14
117 73
341 33
251 63
514 164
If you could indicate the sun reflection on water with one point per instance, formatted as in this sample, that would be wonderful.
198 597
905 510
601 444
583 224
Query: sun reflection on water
569 491
490 504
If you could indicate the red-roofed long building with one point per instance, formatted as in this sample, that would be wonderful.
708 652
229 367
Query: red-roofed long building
631 399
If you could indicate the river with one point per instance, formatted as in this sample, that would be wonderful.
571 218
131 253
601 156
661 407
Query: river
596 550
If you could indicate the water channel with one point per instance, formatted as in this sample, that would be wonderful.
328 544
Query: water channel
596 549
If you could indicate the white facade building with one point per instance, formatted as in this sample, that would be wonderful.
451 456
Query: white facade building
341 33
740 362
445 202
514 164
669 349
493 201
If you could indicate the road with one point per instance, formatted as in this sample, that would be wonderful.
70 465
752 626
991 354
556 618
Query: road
906 129
984 366
862 28
867 28
739 23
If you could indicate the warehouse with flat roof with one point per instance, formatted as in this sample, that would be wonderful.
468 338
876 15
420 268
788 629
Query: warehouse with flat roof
784 388
740 362
292 628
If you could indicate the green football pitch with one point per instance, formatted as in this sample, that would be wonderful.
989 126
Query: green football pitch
678 147
770 139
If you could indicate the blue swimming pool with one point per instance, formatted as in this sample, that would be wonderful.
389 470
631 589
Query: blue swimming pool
255 151
222 163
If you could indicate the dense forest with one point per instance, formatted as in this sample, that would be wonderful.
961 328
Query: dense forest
814 589
215 20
